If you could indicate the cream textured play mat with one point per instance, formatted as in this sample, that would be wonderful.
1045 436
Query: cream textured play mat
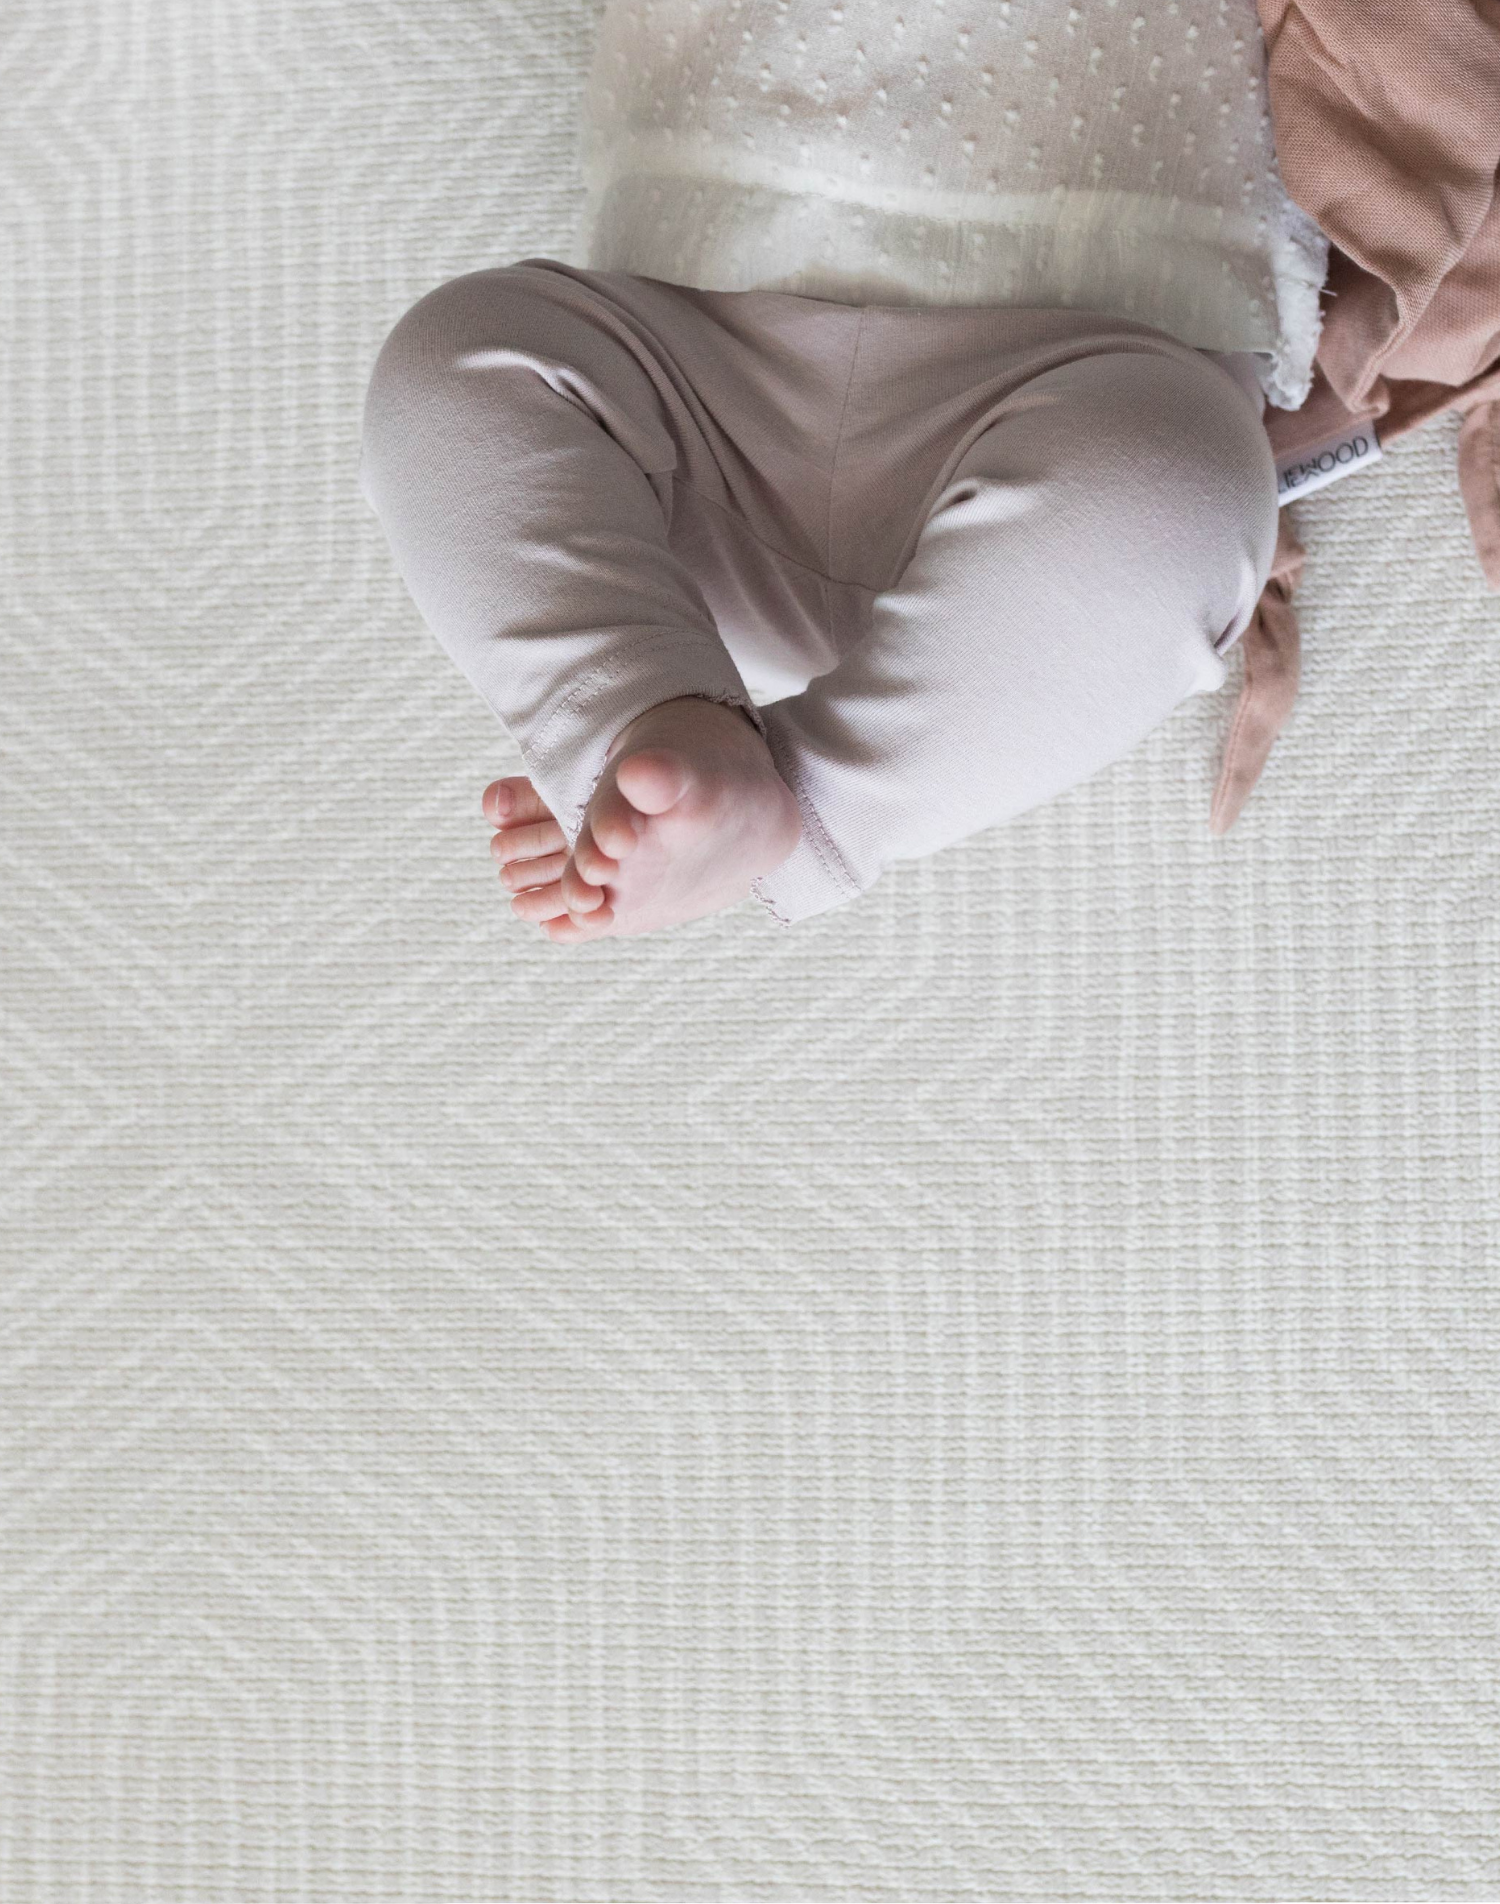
991 1394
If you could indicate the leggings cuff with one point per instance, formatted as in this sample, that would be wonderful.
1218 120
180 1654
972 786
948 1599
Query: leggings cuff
566 754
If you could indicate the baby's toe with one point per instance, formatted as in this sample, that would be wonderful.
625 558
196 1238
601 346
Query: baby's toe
542 902
535 841
592 865
582 893
518 874
568 930
614 822
513 801
654 779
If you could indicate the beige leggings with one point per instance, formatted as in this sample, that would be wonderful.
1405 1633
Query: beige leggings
952 560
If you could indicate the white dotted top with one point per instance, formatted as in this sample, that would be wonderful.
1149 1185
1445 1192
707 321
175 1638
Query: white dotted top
1112 155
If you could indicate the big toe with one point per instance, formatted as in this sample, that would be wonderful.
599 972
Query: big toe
654 779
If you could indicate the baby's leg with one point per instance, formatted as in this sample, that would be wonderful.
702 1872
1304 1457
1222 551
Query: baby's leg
1081 571
517 454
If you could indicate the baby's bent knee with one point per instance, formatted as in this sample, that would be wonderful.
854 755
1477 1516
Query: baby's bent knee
1190 453
478 310
424 387
1166 483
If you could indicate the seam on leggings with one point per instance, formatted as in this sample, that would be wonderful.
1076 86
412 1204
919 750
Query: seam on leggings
838 439
829 859
759 894
592 293
838 872
742 522
591 675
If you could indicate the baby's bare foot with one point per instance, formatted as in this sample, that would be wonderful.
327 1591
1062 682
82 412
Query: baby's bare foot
688 810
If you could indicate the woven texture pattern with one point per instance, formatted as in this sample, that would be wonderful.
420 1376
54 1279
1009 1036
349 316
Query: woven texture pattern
990 1394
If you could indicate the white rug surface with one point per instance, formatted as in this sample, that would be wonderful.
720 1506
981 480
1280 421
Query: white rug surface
989 1395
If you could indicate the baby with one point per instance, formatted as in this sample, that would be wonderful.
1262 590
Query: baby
893 459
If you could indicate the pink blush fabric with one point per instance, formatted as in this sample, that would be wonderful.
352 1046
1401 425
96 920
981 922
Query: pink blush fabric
1387 122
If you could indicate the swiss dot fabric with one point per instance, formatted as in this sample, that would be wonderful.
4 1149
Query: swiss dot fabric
1113 155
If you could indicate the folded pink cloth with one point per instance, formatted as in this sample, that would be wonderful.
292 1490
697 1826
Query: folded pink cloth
1387 123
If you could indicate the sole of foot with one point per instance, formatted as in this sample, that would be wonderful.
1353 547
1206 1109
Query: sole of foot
688 810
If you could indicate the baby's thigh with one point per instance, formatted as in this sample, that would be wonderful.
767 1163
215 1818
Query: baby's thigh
449 368
1080 572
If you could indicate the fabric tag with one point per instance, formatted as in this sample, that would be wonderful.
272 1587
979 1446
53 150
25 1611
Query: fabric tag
1323 463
